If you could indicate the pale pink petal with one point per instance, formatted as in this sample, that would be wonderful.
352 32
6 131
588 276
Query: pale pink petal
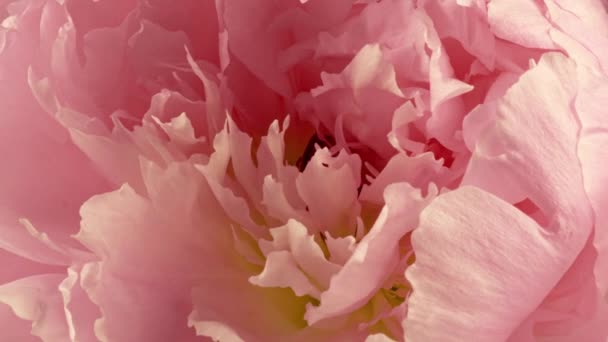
521 22
281 270
591 13
502 275
167 105
590 105
417 171
116 153
588 44
226 224
80 312
446 106
399 137
340 249
482 116
305 254
15 328
226 304
573 310
278 205
365 90
156 237
393 24
233 205
244 168
39 161
179 129
329 185
375 257
367 69
463 25
378 338
214 101
559 202
37 299
513 150
132 310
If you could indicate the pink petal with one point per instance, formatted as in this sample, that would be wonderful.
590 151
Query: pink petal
378 338
446 106
179 129
252 42
281 270
521 22
131 310
224 308
339 175
573 310
15 267
142 242
375 257
466 263
37 299
304 260
367 88
340 249
14 328
418 171
590 104
581 30
278 205
514 150
80 312
39 159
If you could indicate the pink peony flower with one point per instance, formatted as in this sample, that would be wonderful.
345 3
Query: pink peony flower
344 170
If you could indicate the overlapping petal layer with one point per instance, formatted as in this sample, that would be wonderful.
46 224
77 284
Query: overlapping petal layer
303 170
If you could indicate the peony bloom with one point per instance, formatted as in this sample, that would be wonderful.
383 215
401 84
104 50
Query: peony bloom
232 170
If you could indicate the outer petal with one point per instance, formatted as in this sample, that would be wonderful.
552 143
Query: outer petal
143 242
548 175
574 310
550 178
577 308
520 21
591 105
581 29
133 309
39 161
481 267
